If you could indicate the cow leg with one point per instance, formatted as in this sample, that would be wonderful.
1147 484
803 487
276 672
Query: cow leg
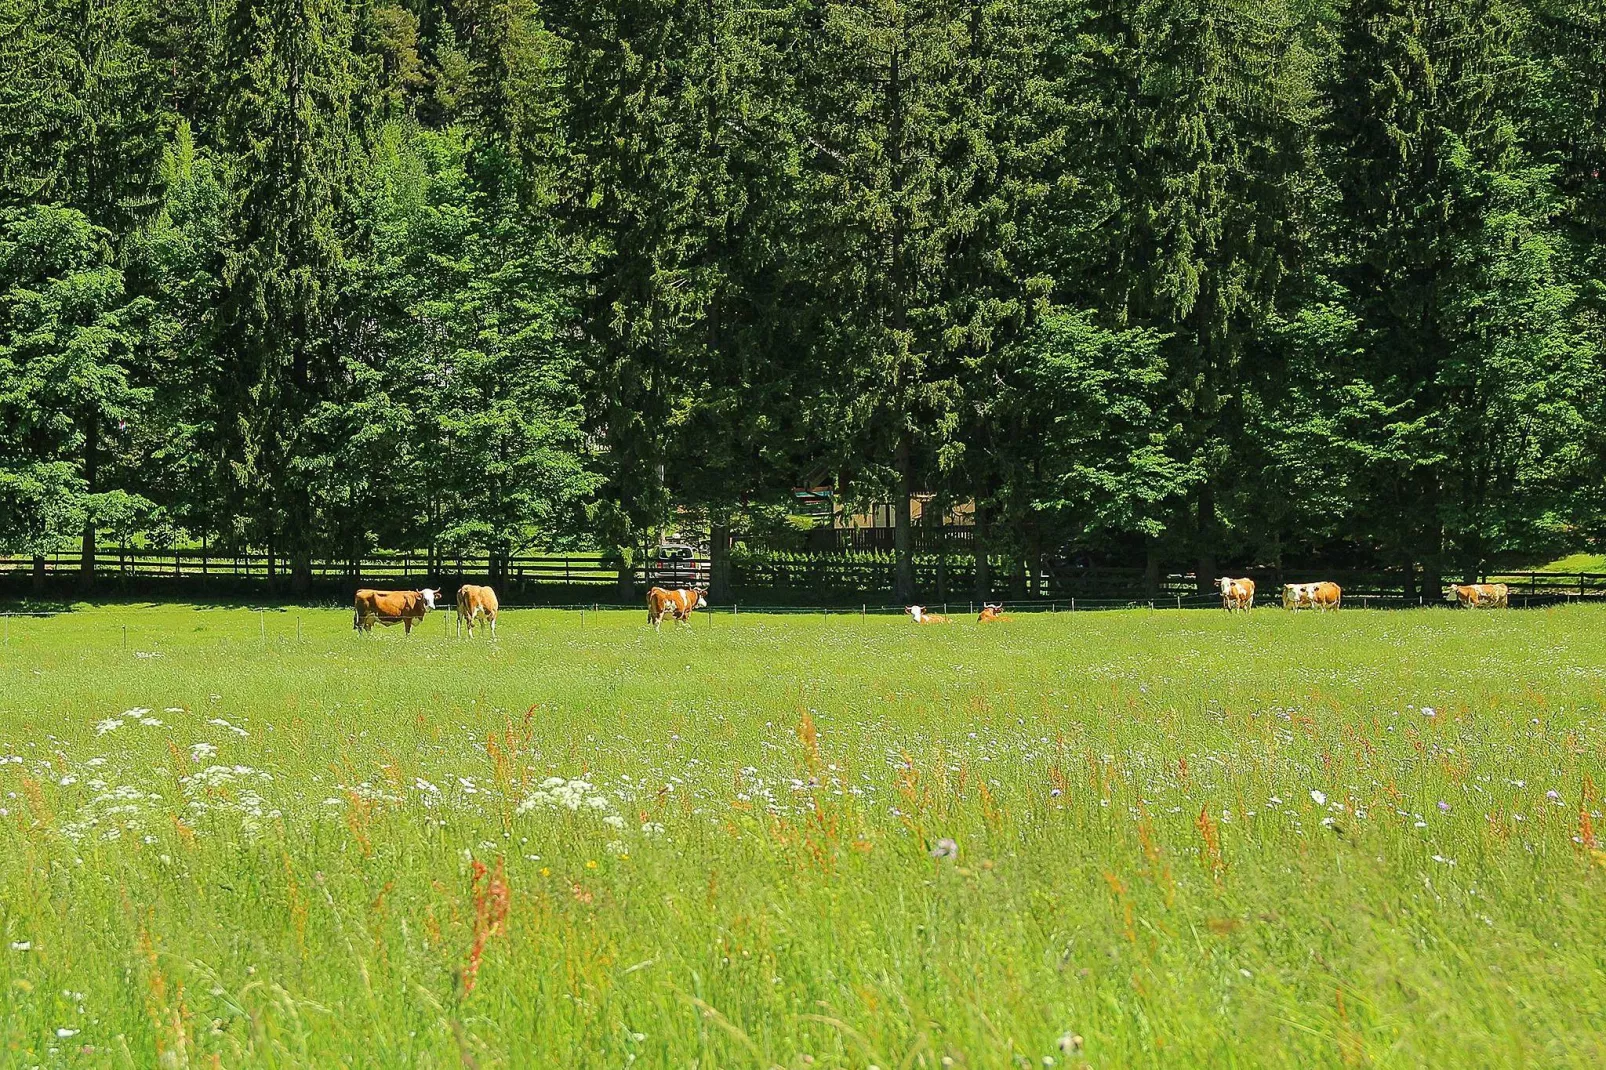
407 625
493 625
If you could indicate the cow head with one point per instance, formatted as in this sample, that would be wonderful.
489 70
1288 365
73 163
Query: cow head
1225 583
915 612
429 595
996 607
702 602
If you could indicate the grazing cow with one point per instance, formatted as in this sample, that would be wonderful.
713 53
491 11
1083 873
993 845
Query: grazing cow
1237 594
1320 595
1478 595
919 615
992 613
678 603
392 607
475 602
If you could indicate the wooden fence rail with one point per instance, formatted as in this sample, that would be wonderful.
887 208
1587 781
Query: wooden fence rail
812 577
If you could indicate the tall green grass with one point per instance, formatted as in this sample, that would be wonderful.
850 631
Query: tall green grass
1178 839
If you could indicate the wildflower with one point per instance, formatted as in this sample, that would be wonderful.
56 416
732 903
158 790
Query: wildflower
1444 807
1553 795
65 1033
199 752
945 848
22 945
1070 1042
591 863
1055 793
1318 797
1429 711
110 724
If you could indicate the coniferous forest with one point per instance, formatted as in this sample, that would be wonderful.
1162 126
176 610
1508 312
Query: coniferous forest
1195 282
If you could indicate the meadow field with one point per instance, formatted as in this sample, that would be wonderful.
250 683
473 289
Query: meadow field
1178 838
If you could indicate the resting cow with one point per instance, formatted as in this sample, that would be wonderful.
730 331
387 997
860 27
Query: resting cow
1237 594
679 603
475 602
392 607
992 613
1478 595
919 615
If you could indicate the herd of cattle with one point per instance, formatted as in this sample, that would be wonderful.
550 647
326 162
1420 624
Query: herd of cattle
407 608
1240 594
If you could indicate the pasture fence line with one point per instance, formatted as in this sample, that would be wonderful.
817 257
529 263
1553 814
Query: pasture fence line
779 578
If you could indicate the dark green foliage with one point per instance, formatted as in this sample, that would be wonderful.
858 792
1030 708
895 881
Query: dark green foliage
1167 281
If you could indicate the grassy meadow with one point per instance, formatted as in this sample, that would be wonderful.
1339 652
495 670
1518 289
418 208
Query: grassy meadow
232 839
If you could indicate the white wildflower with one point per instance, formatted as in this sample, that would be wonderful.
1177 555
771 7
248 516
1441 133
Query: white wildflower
1318 797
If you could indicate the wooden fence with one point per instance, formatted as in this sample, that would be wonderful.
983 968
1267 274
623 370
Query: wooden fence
780 578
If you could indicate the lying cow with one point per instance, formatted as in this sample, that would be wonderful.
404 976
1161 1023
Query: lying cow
1237 594
679 603
475 602
919 615
992 613
392 607
1320 595
1478 595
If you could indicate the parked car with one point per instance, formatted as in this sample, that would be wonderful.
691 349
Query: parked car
675 565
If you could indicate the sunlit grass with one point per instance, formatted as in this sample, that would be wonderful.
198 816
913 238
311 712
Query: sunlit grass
1186 839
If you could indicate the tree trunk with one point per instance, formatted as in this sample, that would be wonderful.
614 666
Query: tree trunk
300 573
627 576
1205 574
1151 569
38 573
86 559
984 571
719 560
904 583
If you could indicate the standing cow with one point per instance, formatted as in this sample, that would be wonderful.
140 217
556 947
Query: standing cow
1478 595
1320 595
1237 594
475 602
679 603
392 607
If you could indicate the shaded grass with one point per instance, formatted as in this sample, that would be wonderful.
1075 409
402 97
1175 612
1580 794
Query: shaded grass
379 872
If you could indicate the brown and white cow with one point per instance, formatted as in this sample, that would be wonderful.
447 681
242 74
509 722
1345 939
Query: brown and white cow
1236 594
475 602
992 613
392 607
1319 595
663 602
1478 595
919 615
